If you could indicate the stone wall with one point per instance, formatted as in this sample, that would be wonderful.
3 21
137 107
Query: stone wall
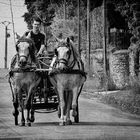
119 68
96 61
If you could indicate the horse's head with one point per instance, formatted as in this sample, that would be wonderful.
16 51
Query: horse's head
63 53
25 51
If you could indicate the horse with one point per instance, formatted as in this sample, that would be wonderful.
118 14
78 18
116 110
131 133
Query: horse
24 80
68 77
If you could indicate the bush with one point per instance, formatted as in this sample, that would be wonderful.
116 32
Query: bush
135 7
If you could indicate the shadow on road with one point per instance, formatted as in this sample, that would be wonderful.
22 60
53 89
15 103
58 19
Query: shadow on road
90 123
46 124
108 124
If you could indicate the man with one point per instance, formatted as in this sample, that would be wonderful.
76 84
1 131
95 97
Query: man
36 36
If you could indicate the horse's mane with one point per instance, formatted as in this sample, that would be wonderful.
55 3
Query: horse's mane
77 55
32 47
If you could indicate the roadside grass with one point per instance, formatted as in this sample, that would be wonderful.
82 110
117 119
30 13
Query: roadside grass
125 100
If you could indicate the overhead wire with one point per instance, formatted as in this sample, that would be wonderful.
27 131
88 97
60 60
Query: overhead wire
12 21
10 17
12 5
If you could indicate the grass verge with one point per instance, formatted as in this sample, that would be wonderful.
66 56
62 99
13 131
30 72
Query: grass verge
124 100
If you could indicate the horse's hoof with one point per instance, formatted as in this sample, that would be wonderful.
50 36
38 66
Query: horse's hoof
16 123
32 119
29 124
15 113
74 113
16 120
22 124
61 123
68 122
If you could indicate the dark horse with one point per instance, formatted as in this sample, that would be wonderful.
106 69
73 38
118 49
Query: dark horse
24 80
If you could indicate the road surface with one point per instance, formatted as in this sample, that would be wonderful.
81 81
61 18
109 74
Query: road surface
97 121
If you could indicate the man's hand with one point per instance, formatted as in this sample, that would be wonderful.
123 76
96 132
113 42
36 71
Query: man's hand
40 52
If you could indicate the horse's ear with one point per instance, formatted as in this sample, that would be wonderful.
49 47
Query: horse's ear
68 40
17 45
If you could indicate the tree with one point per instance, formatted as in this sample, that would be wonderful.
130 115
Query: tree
44 9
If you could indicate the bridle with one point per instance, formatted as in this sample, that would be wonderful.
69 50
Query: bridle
66 61
26 57
23 56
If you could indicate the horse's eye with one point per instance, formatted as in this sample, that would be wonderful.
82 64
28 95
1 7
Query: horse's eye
68 52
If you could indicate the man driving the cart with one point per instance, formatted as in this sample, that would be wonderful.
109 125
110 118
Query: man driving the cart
36 36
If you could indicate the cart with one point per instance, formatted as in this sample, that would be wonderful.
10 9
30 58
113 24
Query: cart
45 99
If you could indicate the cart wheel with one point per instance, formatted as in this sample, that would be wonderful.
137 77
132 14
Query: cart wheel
76 118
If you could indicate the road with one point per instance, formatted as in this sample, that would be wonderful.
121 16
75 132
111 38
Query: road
97 121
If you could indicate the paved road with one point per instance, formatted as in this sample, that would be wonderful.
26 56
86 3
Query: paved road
97 121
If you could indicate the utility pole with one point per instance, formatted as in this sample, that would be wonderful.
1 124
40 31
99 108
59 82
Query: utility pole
105 45
88 37
12 21
79 51
5 23
64 9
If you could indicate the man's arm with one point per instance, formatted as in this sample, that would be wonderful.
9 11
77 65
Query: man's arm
26 34
42 48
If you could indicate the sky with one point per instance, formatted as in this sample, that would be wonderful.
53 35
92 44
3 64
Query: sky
20 26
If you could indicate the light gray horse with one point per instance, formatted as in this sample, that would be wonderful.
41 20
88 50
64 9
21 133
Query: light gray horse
68 77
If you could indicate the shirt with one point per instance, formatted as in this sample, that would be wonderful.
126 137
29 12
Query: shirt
39 39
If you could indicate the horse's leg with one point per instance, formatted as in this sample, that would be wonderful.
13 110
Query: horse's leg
28 117
32 119
22 116
32 87
74 101
21 103
62 105
28 113
69 102
15 111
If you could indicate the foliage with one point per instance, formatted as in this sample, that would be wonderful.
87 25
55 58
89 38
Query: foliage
43 9
62 29
127 9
